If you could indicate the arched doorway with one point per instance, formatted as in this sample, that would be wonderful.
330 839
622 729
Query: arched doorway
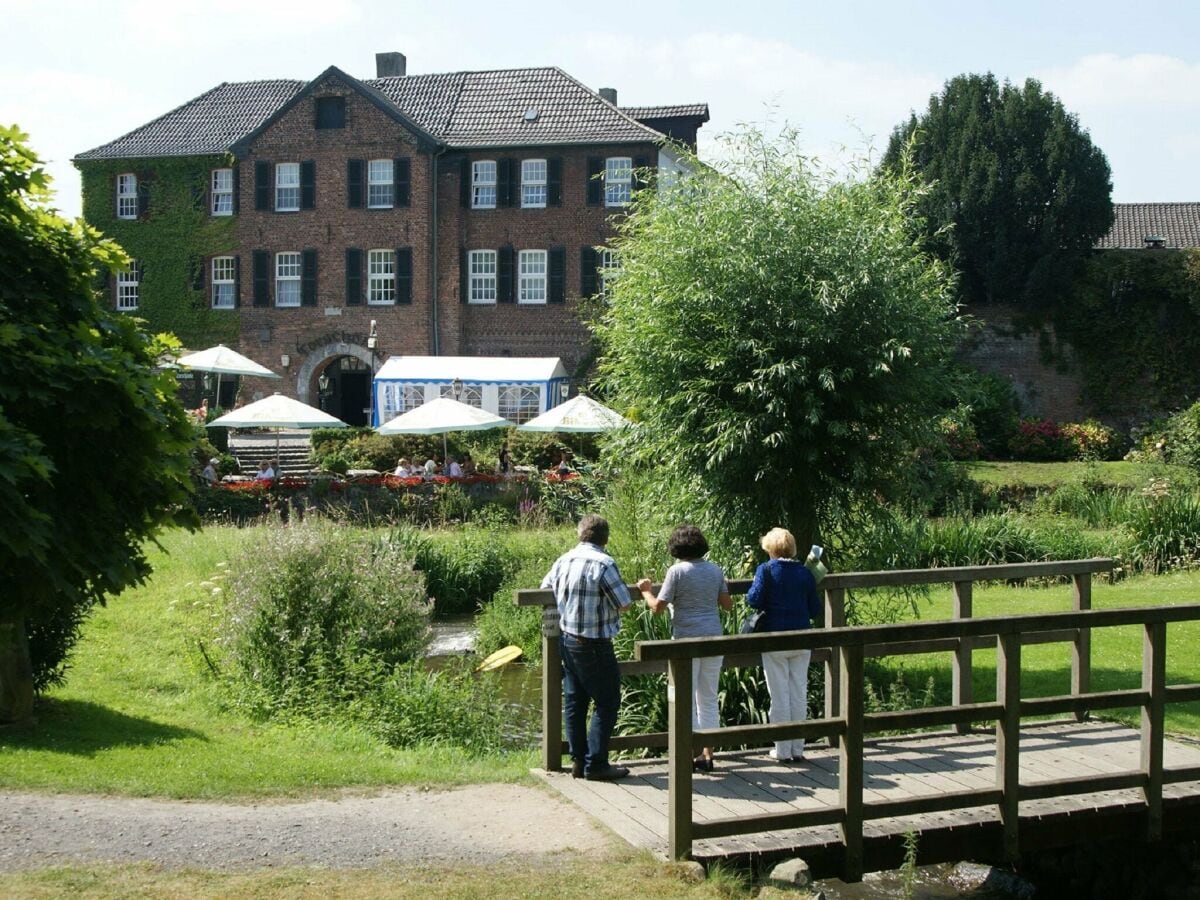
344 389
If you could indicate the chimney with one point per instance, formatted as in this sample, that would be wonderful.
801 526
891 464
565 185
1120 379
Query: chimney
609 94
389 64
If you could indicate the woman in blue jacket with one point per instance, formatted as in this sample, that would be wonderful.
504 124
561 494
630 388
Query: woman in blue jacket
786 592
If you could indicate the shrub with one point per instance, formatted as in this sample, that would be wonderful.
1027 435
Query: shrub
462 570
1091 440
1182 444
453 706
1165 530
995 410
959 435
1039 440
317 612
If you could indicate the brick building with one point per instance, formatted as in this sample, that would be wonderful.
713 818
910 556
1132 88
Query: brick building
454 214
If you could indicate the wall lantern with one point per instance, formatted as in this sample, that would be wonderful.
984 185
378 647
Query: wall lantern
323 384
285 360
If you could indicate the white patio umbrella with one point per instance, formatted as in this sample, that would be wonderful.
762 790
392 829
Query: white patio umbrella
579 414
442 416
220 360
278 412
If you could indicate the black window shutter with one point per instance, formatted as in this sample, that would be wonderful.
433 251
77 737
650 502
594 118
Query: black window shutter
197 264
464 184
554 182
143 195
354 277
504 274
595 185
308 184
237 280
504 182
237 190
588 261
639 172
404 275
308 278
262 185
556 261
402 176
354 183
464 275
262 278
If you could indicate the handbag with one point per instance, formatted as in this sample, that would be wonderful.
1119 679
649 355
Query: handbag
754 622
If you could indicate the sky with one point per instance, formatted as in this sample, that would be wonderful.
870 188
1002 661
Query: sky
78 73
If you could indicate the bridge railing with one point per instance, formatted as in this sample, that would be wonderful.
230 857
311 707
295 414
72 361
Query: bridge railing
835 587
852 723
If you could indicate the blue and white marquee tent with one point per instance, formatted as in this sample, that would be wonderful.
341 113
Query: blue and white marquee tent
516 388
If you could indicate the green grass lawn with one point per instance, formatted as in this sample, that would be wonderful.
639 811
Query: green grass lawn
1035 474
1046 668
137 716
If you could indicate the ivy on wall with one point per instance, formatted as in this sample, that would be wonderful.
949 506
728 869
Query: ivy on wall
176 235
1133 323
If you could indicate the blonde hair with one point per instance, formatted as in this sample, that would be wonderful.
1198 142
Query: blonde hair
779 543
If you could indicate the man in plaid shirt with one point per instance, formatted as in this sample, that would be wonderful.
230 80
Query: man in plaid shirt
590 594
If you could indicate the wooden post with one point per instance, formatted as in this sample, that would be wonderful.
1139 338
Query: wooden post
1081 649
552 711
850 760
962 689
835 617
679 757
1154 682
1008 729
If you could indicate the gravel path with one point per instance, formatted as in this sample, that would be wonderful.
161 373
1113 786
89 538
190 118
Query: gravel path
471 826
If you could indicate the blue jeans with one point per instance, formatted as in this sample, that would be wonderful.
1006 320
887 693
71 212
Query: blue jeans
590 675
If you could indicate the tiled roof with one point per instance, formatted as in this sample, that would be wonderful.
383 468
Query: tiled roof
209 124
461 109
676 111
1178 223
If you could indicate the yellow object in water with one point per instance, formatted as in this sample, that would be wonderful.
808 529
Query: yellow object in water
501 657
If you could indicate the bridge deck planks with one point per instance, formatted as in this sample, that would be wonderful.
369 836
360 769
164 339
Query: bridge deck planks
749 783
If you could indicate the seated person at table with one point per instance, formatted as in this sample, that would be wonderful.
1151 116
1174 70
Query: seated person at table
468 465
209 474
453 469
564 464
266 472
403 468
430 468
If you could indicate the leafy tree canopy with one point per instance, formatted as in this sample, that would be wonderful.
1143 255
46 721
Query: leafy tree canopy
93 444
780 336
1018 188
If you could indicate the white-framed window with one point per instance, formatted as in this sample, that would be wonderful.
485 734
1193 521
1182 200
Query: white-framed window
412 396
127 196
618 180
482 265
381 277
128 282
520 402
222 192
287 279
287 187
381 190
533 183
471 394
609 266
483 184
223 282
531 283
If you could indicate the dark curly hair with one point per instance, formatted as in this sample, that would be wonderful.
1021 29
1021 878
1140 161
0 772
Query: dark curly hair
687 542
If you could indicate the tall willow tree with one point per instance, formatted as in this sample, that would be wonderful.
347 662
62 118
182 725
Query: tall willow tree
93 443
780 337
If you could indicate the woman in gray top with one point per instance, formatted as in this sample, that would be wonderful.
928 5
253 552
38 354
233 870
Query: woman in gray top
694 588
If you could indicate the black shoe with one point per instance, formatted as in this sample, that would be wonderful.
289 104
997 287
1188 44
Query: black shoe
701 764
577 768
610 773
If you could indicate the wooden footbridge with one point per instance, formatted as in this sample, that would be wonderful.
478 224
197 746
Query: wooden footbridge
983 787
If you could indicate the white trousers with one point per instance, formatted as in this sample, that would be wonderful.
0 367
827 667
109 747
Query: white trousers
787 683
706 675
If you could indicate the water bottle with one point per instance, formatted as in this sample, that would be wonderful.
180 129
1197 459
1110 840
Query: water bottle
813 563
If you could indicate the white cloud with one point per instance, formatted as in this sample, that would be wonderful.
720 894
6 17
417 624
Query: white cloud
1143 111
